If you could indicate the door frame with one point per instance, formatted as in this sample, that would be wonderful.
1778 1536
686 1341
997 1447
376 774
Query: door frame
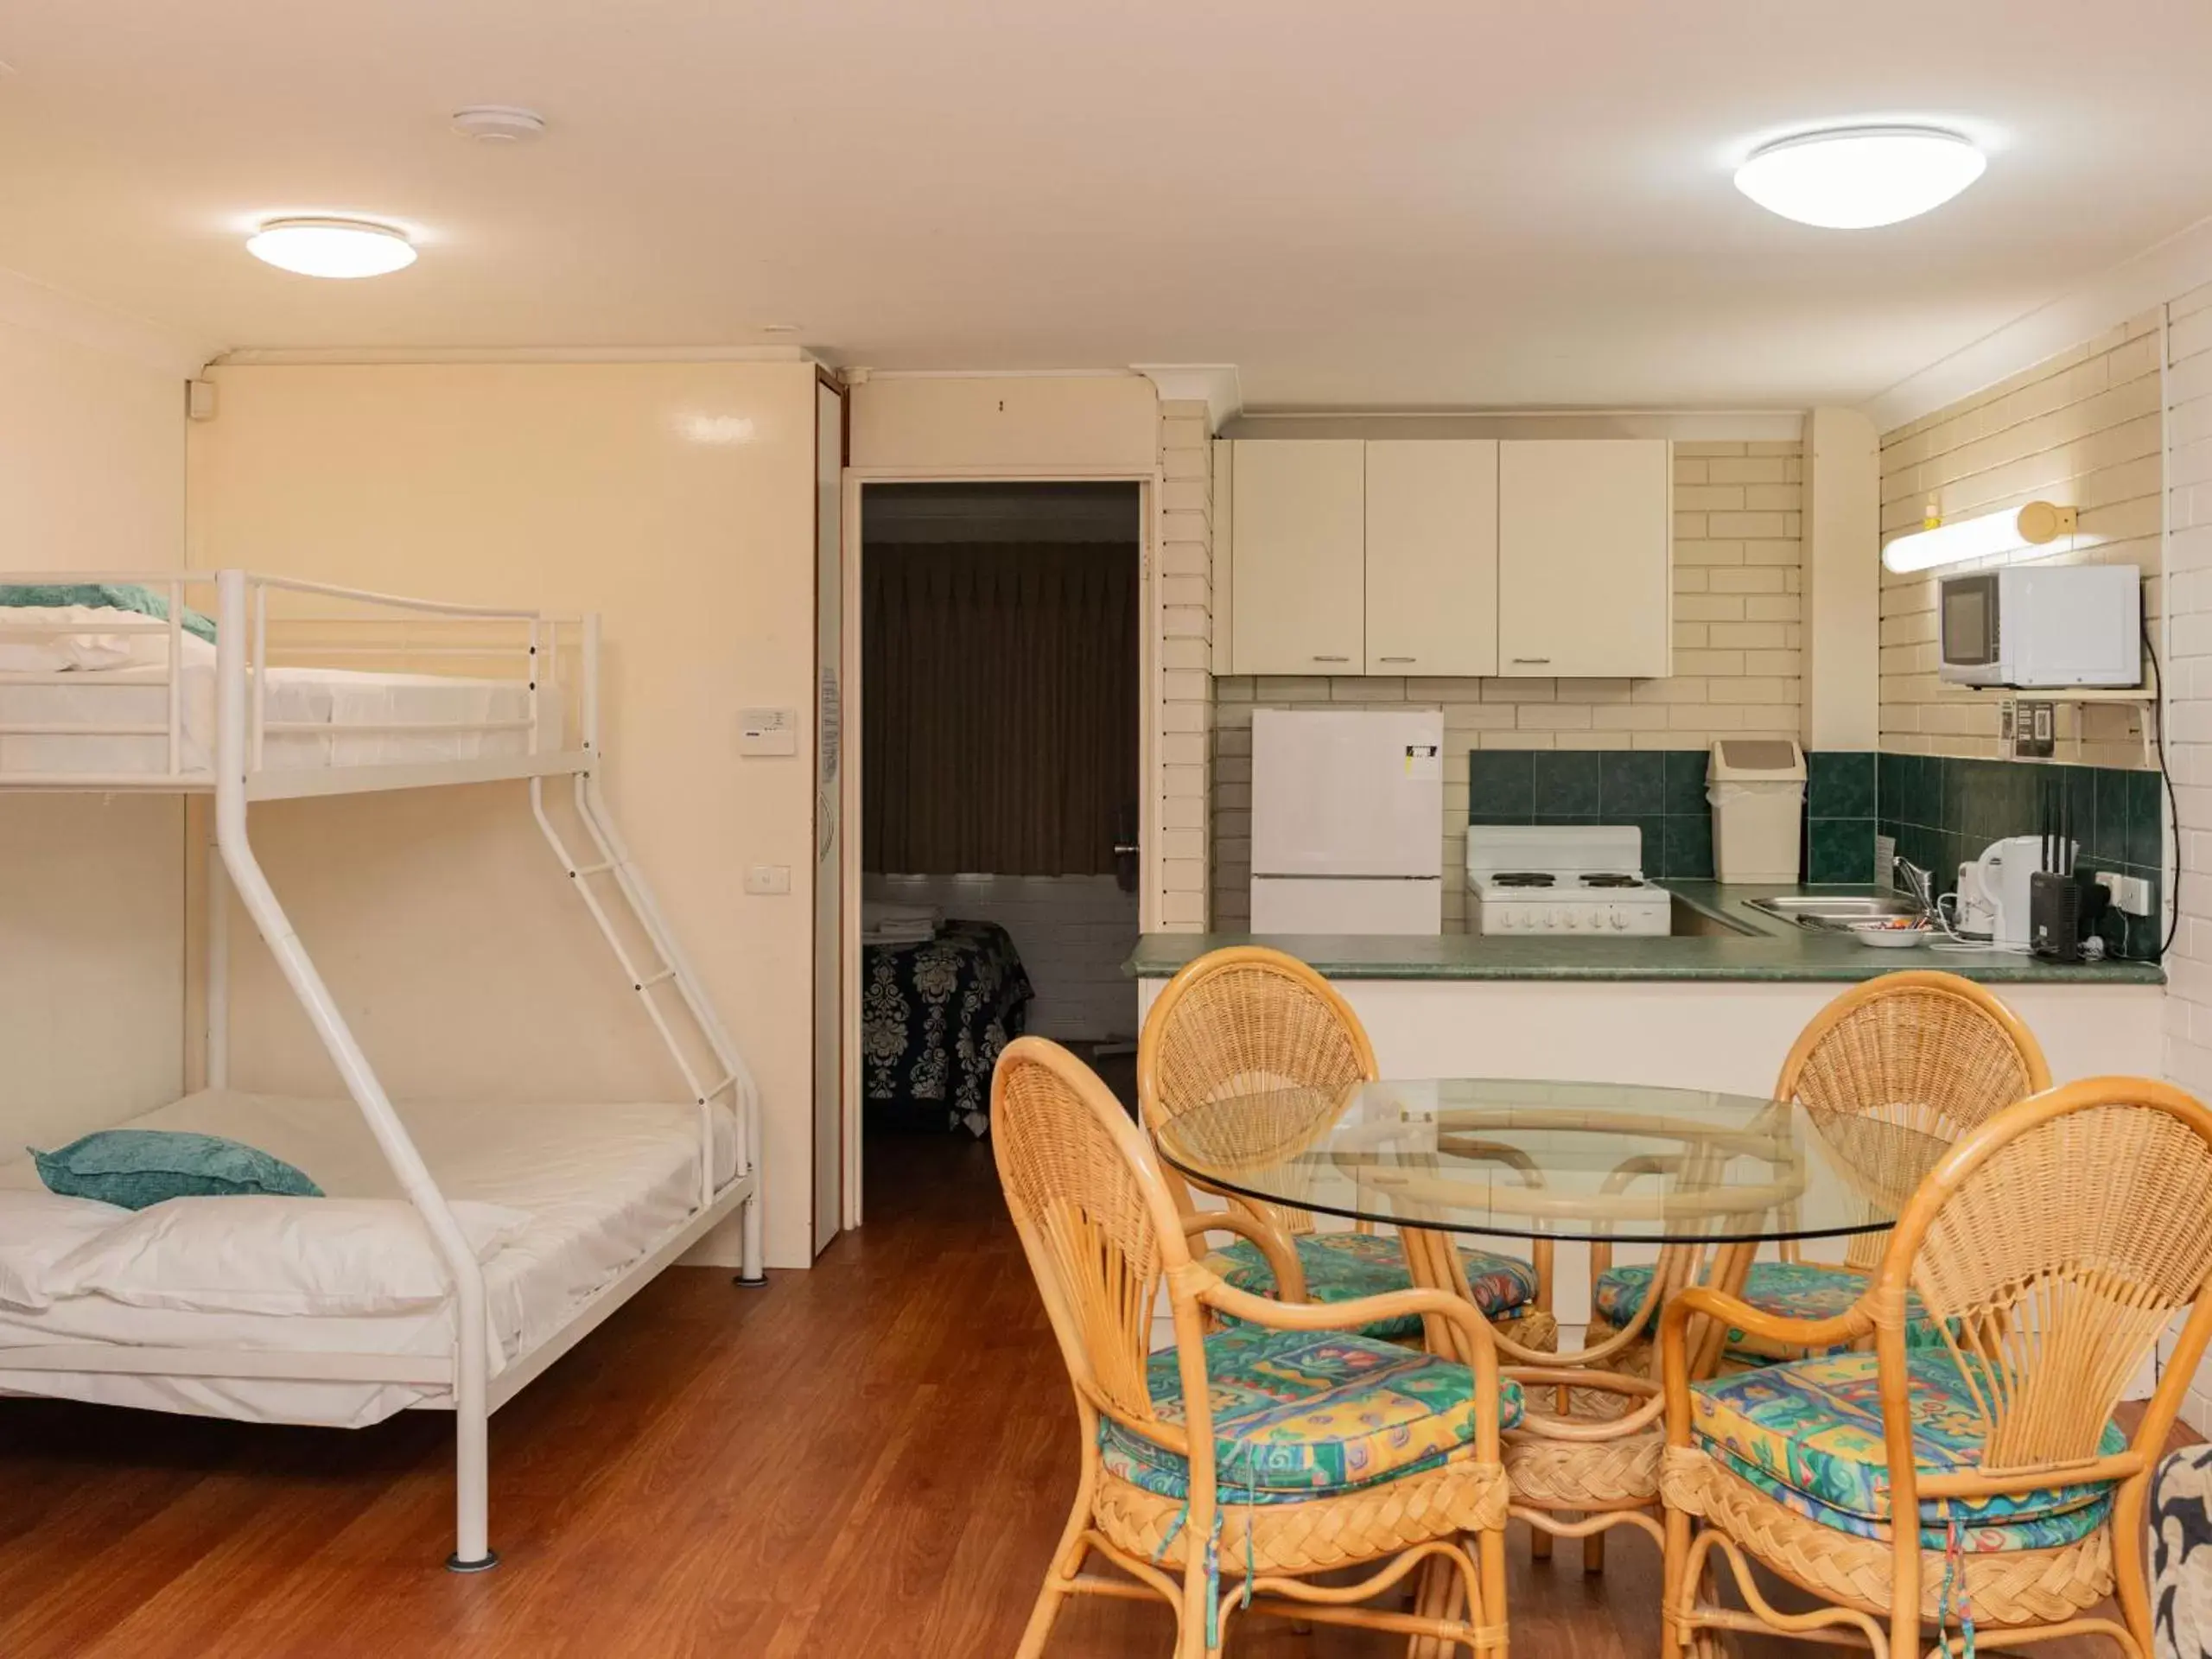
1150 697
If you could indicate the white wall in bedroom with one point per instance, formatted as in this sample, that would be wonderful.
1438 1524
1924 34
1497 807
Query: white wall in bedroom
91 894
676 500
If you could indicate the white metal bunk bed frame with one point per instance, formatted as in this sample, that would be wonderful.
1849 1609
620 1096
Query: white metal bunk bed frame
238 778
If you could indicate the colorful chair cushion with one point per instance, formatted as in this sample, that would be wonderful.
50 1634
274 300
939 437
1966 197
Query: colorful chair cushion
1344 1266
1300 1415
1808 1433
1790 1290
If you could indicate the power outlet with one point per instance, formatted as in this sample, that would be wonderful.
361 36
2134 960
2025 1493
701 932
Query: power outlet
768 878
2129 893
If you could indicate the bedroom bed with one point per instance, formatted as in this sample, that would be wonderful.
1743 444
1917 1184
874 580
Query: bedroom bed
935 1015
462 1249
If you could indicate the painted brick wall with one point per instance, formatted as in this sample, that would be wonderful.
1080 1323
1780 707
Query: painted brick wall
1073 931
1186 700
1737 667
2081 430
2189 748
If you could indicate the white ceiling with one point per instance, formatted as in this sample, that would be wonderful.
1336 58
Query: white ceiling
1421 202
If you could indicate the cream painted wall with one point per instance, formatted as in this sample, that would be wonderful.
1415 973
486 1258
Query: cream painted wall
91 898
678 499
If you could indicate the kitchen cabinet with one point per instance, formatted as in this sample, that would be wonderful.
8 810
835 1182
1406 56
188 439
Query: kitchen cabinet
1585 534
1299 510
1431 556
1439 557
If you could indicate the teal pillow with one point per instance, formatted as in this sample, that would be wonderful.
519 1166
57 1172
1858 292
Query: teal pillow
104 596
137 1167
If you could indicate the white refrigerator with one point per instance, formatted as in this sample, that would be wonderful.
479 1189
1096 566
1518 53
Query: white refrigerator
1347 821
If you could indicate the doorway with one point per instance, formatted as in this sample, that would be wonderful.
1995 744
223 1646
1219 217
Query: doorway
999 775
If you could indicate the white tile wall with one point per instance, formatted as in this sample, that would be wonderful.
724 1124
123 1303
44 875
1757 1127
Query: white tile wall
2188 748
1073 931
1185 701
1738 650
2081 430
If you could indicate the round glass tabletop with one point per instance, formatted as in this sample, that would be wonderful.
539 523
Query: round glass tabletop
1567 1161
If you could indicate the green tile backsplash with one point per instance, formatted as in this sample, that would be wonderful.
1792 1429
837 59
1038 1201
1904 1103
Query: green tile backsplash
1944 811
1941 811
1660 791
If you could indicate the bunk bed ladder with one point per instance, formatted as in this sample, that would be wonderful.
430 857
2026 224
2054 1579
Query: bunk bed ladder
668 967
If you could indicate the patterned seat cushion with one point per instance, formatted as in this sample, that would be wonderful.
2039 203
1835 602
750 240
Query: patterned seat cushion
1344 1266
1809 1434
1300 1415
1790 1290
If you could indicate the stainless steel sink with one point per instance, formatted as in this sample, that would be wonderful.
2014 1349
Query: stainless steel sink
1834 910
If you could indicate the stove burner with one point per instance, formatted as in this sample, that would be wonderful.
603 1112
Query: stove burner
1522 878
1612 880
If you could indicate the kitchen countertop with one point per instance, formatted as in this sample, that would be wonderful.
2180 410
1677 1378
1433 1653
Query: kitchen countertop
1769 949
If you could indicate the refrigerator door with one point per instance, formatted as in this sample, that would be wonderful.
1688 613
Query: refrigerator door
1347 792
1301 904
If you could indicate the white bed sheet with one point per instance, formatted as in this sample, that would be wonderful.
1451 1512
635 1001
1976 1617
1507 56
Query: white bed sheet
335 697
603 1186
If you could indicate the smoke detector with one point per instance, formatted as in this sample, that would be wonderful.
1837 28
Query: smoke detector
498 124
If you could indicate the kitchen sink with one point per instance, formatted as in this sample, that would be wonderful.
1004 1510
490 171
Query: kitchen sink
1834 910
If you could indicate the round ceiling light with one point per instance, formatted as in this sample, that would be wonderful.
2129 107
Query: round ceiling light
331 247
1860 177
498 123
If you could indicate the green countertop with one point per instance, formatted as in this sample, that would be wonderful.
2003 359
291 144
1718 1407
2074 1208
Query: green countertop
1768 949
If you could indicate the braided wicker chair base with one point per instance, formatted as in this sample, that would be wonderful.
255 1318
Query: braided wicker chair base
2028 1586
1584 1474
1314 1537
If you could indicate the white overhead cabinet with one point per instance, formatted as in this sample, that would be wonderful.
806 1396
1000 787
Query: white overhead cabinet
1299 508
1448 557
1432 557
1584 529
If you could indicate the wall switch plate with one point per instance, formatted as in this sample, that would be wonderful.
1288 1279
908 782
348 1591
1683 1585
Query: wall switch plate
767 731
2035 730
2129 893
768 878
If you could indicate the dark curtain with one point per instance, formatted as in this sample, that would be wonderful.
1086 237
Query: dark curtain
999 706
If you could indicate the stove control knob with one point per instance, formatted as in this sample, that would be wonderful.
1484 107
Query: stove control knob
1619 916
1560 919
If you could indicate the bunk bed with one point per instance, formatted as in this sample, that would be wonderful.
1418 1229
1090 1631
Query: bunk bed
536 1221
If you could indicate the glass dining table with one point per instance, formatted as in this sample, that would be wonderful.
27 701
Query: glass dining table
1708 1177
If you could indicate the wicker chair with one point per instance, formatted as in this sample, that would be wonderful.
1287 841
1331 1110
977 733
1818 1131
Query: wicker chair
1269 1452
1925 1051
1245 1019
1906 1486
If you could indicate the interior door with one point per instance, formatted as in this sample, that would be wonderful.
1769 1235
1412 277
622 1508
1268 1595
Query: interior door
829 827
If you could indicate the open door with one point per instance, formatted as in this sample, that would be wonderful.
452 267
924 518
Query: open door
829 825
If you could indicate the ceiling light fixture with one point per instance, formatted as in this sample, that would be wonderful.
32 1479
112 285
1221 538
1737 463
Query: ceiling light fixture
1858 177
331 247
2033 525
498 123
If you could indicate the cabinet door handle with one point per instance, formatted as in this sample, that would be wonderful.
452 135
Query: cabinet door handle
1532 661
1399 659
1332 659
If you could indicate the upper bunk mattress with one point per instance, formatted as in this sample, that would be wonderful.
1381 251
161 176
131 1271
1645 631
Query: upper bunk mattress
334 697
603 1186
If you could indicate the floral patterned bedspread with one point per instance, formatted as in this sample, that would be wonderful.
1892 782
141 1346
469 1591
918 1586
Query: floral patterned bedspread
933 1019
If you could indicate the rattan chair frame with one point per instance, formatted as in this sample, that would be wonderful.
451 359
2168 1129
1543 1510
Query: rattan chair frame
2048 1296
1103 1236
1311 1037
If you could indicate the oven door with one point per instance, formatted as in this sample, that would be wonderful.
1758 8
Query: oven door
1967 619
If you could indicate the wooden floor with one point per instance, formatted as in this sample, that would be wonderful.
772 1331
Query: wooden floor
871 1458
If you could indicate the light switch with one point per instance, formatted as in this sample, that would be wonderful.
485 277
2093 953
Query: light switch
768 878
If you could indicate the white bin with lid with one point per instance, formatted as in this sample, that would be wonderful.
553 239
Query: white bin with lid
1755 786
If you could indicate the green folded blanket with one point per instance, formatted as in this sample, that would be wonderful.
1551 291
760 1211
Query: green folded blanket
102 595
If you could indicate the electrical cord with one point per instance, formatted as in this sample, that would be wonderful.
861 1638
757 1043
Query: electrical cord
2155 714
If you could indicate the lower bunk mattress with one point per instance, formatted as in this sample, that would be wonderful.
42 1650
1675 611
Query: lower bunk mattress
600 1187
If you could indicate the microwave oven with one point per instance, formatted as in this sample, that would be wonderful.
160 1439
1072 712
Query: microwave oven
2042 624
